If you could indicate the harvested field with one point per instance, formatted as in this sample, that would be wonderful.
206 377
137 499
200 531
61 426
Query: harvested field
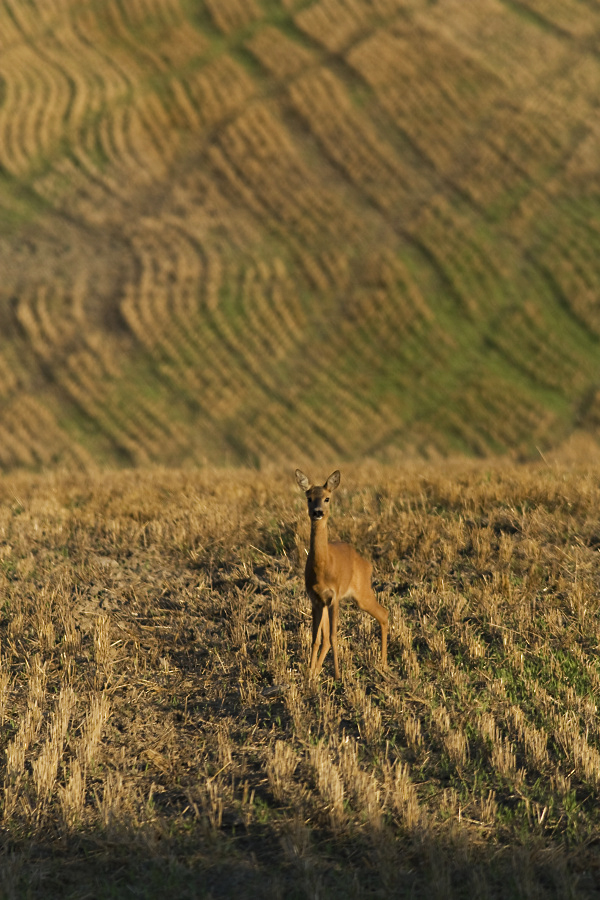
160 734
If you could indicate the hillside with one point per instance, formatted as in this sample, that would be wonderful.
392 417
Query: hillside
160 737
249 230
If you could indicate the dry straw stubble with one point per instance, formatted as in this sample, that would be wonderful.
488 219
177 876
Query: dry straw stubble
162 691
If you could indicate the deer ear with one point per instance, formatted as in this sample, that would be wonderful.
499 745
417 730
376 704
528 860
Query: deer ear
302 480
333 480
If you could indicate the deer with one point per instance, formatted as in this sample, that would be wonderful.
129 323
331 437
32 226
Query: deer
334 572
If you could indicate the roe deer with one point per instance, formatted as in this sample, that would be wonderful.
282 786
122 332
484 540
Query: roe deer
333 573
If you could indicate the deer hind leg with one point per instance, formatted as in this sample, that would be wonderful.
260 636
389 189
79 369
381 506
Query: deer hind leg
367 601
320 631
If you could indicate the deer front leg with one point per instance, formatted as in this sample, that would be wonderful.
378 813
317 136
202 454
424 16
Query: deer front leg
318 614
325 633
323 600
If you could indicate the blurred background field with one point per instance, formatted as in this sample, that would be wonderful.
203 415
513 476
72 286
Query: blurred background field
247 230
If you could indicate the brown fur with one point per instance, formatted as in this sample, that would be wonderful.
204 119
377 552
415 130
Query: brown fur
334 572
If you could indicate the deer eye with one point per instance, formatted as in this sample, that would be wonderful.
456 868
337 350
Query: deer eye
326 499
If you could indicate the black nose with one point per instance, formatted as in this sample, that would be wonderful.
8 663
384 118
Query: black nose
317 513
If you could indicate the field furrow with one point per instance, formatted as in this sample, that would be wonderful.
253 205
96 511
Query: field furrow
468 266
10 33
80 381
136 58
31 436
9 378
264 398
27 315
272 308
81 189
337 23
26 91
232 15
575 19
349 424
219 89
88 90
153 136
40 16
47 93
236 355
57 97
262 154
571 260
114 146
160 311
162 13
181 45
418 79
25 17
504 415
350 140
14 452
524 337
90 377
492 180
102 63
279 54
134 143
332 23
50 95
519 53
49 442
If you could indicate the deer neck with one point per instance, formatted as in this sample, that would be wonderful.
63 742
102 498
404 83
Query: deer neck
319 546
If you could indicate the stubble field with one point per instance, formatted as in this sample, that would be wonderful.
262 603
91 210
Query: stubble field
159 734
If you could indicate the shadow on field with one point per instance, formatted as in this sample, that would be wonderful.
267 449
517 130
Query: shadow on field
291 862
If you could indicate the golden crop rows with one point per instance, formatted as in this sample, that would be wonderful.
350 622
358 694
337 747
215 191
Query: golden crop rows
278 53
332 23
335 23
330 227
462 254
227 367
532 342
350 139
500 415
518 52
219 90
570 16
231 15
36 99
408 70
87 376
31 437
572 261
259 151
